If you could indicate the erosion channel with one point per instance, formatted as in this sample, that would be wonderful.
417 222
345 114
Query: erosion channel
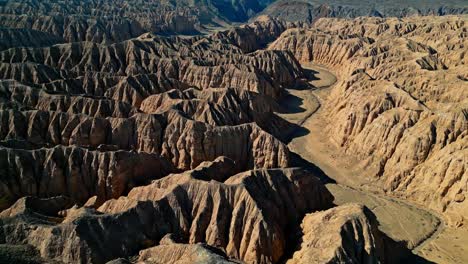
400 220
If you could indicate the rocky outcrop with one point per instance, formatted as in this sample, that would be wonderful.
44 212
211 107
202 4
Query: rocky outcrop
400 134
75 28
255 35
184 142
408 52
107 21
248 215
344 234
40 128
118 143
75 172
187 143
164 62
314 45
88 96
183 253
14 95
221 107
400 107
100 22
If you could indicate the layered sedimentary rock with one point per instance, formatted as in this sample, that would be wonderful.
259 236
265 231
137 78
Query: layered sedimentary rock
400 106
172 250
75 172
17 96
183 253
344 234
119 144
312 10
48 128
84 121
255 35
314 45
113 21
248 215
169 137
221 107
187 143
86 100
166 62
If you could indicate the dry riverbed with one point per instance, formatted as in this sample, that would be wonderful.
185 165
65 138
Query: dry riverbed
402 221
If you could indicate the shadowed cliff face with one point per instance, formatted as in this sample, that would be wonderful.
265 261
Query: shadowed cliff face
248 216
91 122
400 106
99 100
347 234
106 21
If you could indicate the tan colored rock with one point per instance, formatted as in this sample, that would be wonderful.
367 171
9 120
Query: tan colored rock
75 172
345 234
255 35
221 107
19 96
400 106
311 11
187 143
182 254
158 60
248 216
139 132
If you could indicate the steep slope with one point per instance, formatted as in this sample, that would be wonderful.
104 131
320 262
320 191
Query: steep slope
400 106
95 101
221 107
235 215
345 234
19 37
120 143
107 21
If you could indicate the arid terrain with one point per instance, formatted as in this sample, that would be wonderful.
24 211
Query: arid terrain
178 132
311 10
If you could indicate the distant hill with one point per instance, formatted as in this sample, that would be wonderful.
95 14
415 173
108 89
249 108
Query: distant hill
310 10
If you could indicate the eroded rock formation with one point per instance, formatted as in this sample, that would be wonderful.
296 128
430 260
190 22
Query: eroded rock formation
75 172
107 21
118 144
183 253
88 97
312 10
248 216
400 106
345 234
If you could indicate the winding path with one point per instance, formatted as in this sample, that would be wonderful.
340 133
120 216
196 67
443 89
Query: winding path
400 220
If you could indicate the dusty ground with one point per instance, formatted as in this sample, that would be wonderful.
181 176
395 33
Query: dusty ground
448 246
400 220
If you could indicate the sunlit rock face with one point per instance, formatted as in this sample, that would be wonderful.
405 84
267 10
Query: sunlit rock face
400 106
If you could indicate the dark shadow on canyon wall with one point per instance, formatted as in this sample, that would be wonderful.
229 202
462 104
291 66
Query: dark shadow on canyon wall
298 161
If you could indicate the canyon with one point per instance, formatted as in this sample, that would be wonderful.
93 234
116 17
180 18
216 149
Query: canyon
282 140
